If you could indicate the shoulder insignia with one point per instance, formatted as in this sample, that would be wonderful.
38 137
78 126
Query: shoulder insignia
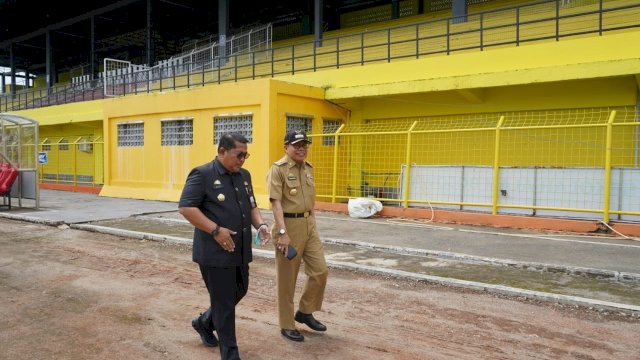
308 163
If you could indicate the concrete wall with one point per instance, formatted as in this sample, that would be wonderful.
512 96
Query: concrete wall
154 171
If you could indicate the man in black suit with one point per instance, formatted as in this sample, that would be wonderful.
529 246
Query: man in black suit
218 200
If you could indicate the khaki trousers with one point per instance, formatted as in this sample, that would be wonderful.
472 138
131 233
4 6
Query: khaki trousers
304 237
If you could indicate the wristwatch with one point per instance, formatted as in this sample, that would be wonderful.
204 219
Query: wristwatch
282 232
215 231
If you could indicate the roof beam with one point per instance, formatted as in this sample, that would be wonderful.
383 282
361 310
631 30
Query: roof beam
71 21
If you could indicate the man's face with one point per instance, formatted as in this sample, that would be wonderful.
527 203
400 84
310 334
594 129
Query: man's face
233 159
298 151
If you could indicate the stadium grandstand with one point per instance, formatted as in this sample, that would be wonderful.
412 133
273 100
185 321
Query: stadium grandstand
481 107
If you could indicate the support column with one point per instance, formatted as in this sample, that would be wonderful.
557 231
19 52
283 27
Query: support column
150 45
49 76
92 50
395 9
318 6
223 29
459 11
13 71
27 78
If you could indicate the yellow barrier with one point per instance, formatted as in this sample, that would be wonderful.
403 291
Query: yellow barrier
562 163
76 161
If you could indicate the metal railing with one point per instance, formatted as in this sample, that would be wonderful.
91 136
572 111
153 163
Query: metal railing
527 163
512 26
72 161
127 78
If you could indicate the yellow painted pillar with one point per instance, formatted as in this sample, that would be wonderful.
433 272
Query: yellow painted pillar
407 173
607 169
496 169
334 178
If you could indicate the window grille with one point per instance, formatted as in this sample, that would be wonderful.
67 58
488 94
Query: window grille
65 177
63 145
131 134
235 123
299 123
177 132
85 146
85 179
329 127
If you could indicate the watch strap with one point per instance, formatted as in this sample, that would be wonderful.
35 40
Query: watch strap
215 231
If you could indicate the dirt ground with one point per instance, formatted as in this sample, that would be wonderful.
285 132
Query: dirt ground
69 294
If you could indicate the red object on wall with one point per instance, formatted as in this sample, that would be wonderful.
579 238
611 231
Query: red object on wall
8 176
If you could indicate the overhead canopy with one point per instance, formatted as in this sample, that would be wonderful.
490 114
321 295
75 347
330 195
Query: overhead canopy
17 119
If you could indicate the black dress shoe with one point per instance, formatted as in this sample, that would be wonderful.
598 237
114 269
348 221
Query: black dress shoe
293 335
208 339
310 321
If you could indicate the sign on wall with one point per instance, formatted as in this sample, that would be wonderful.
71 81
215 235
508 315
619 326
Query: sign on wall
43 158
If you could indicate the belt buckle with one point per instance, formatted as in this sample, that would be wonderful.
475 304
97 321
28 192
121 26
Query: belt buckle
306 214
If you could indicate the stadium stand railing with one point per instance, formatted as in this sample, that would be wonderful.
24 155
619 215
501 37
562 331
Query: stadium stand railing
121 77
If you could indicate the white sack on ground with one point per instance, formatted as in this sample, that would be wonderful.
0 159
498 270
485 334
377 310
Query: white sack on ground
363 208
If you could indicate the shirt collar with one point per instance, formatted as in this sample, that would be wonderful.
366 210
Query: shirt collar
291 163
217 165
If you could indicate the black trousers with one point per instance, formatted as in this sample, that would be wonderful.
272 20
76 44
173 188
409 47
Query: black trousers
226 286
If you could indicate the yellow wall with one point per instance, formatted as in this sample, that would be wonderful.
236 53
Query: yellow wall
78 112
308 103
595 57
616 91
73 161
158 172
583 73
74 121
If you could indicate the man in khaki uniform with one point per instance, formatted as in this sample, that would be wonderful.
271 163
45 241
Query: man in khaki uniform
292 194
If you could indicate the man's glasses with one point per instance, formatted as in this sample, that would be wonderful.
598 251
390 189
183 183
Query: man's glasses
301 145
242 155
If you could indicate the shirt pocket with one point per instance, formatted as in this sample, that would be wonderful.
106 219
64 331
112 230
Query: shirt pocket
291 185
310 188
310 181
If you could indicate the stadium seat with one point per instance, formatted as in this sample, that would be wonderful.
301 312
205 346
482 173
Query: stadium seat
8 176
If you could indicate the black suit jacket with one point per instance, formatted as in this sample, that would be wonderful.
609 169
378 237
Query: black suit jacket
227 199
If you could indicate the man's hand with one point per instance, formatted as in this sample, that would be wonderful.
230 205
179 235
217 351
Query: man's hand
282 243
225 240
264 234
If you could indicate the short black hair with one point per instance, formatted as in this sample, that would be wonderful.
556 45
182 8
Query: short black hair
228 141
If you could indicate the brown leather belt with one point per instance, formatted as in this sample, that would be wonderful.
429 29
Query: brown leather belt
297 215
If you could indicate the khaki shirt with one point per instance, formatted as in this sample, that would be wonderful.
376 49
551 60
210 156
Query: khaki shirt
292 184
